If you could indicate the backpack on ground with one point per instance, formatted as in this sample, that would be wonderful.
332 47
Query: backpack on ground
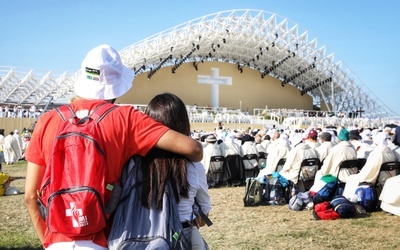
74 191
326 193
343 207
253 195
324 211
299 201
366 196
137 227
277 188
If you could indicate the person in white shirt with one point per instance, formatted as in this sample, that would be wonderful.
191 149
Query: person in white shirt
171 167
210 149
325 147
294 159
344 150
370 171
249 148
313 139
280 151
266 141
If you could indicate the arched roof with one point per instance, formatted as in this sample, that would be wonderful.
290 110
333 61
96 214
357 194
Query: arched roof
254 39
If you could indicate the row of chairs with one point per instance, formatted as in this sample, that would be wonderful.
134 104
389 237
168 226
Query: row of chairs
232 170
309 167
359 163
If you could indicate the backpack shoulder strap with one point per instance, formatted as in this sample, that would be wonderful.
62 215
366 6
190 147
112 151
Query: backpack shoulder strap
102 110
202 214
65 112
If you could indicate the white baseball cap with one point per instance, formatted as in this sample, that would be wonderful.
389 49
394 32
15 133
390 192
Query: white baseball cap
103 76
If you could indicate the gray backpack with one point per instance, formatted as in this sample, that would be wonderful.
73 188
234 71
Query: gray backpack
137 227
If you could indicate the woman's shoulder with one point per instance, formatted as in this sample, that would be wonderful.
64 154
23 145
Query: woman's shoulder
195 166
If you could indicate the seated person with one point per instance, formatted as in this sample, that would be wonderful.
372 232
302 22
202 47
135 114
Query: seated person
210 149
344 150
293 161
370 171
249 148
326 145
278 152
390 196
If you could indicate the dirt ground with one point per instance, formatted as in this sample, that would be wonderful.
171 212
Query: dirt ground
236 226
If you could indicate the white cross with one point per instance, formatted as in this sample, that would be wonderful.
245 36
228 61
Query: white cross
78 219
215 80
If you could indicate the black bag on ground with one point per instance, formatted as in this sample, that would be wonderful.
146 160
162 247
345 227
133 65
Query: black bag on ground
343 207
253 195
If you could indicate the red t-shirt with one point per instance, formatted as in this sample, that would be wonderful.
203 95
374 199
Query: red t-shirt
125 131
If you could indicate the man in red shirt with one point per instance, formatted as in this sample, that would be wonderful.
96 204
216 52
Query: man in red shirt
125 132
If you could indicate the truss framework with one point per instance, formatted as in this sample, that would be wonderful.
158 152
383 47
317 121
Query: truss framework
253 39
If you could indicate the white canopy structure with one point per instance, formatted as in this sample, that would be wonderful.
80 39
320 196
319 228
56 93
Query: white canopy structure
253 39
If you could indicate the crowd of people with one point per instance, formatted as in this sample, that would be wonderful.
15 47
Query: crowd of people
371 147
13 146
189 163
18 111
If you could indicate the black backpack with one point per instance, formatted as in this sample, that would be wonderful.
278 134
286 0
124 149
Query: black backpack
253 195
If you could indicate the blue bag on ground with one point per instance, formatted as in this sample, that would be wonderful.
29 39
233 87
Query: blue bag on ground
366 196
343 207
277 189
326 193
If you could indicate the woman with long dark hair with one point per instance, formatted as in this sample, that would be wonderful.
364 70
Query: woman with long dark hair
188 178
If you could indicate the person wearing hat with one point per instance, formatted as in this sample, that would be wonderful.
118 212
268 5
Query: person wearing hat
366 136
126 132
363 147
229 147
325 147
370 171
344 150
211 148
313 139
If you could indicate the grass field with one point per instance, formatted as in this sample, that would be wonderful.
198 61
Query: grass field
235 226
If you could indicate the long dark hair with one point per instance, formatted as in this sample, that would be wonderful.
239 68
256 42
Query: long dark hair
160 166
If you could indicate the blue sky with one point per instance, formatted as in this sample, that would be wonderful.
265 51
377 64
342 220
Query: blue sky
56 35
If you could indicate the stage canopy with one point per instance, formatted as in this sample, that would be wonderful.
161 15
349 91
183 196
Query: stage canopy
254 39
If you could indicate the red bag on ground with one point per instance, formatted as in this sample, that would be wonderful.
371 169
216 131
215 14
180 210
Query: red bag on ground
324 211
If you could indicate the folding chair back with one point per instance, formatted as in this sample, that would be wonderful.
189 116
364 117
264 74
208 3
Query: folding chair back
387 170
262 159
351 165
216 164
280 164
308 169
250 162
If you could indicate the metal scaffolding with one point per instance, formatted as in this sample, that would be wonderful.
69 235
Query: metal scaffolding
253 39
